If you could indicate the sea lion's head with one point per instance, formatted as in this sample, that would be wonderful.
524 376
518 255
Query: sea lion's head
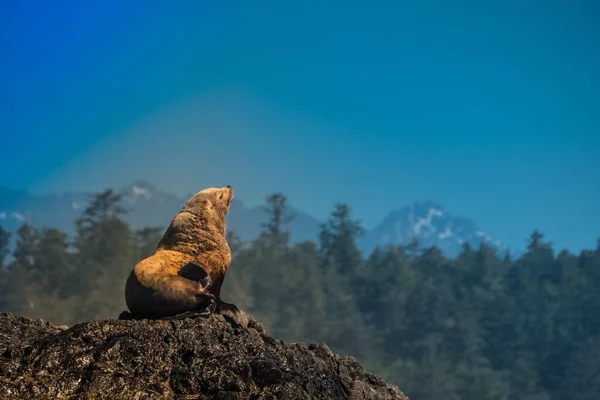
217 199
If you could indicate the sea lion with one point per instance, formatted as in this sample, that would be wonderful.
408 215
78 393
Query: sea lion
183 278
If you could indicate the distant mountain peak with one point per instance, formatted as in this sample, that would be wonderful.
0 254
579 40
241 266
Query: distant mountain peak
139 189
140 185
432 225
424 218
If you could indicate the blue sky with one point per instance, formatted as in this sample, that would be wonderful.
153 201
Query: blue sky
491 109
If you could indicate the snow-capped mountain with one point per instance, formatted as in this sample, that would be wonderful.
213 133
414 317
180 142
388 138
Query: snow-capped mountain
147 205
431 225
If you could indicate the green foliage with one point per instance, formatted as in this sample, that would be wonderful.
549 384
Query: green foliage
4 246
480 326
274 232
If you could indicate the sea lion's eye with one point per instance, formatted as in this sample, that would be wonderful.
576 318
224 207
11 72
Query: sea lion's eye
221 196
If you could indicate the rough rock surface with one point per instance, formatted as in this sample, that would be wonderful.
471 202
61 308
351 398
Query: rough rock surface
201 358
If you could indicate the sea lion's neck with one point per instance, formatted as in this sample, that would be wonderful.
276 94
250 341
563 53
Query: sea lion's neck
193 234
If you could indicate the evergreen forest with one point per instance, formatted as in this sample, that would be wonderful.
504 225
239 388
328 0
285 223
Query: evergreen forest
479 326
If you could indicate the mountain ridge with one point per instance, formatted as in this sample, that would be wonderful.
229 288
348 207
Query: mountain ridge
148 205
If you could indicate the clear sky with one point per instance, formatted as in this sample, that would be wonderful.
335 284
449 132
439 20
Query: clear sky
489 108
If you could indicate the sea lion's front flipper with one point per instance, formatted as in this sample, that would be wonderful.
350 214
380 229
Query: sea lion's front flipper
206 308
188 314
233 314
195 272
125 316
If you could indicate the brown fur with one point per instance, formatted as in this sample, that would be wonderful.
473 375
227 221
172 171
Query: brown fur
158 287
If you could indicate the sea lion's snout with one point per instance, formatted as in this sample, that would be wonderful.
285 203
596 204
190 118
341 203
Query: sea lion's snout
230 194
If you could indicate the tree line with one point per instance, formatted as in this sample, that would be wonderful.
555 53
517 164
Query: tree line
478 326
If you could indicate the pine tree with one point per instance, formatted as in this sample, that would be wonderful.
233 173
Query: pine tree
4 273
582 375
23 289
54 261
341 262
272 277
276 231
4 246
388 281
338 241
305 293
26 248
106 253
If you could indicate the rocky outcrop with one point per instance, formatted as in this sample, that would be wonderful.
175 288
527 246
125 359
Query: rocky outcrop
203 358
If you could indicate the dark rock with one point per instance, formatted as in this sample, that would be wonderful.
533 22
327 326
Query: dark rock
202 358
